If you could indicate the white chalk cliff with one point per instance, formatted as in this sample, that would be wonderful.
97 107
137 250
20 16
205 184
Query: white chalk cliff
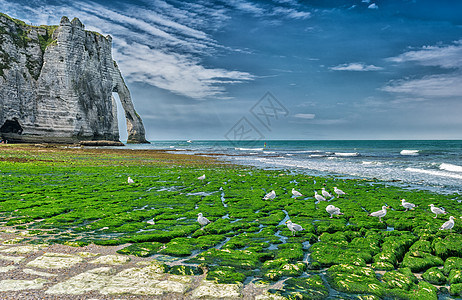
57 85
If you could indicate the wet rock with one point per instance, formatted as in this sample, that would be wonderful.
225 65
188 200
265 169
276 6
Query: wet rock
111 260
18 285
210 290
7 269
55 261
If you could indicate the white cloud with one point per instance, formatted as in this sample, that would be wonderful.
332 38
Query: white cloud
373 6
158 44
305 116
357 66
434 86
291 13
366 1
448 57
448 85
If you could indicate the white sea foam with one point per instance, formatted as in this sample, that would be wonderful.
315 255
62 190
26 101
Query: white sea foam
368 163
434 173
409 152
451 168
346 154
249 149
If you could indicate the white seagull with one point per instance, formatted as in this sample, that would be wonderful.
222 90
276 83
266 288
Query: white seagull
437 211
326 193
407 205
338 192
293 227
201 177
129 180
202 220
332 210
296 193
270 195
319 197
448 224
380 213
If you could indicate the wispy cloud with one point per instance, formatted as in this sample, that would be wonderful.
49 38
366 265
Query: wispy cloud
444 85
434 86
449 56
156 43
373 6
357 66
305 116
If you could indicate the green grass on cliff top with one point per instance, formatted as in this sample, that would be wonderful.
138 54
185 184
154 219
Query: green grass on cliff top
79 196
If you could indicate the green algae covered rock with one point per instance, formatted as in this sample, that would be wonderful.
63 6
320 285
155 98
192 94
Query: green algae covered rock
423 291
354 279
456 289
225 274
382 265
449 246
275 269
244 260
419 261
452 263
185 270
358 252
455 276
141 249
396 279
434 276
421 245
309 288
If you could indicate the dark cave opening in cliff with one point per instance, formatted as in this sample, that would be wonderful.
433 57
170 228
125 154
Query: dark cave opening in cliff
11 126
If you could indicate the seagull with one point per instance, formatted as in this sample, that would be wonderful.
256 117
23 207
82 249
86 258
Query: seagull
201 177
270 195
129 180
293 227
338 192
202 220
332 210
326 193
448 224
437 211
380 213
319 197
407 205
296 193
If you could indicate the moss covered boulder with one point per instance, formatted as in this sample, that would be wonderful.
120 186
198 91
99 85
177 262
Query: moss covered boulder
434 276
225 275
354 279
449 246
419 261
452 263
309 288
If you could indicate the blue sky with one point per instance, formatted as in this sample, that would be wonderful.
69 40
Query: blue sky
358 69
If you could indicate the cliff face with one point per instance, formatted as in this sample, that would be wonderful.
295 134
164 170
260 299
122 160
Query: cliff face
57 82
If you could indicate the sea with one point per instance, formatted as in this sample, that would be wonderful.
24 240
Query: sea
434 165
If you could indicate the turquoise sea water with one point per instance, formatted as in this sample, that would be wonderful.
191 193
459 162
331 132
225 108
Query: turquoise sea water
434 165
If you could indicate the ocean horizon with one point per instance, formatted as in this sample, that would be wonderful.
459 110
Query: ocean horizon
434 165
